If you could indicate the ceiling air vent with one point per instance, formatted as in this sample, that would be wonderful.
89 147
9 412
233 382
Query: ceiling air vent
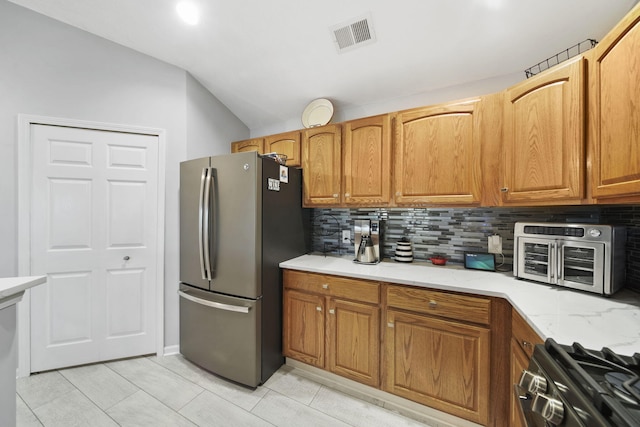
352 34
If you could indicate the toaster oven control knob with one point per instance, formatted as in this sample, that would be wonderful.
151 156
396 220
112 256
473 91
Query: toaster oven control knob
594 232
551 409
533 383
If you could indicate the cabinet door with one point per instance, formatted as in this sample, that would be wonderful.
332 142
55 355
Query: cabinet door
255 144
519 362
303 327
544 138
285 143
438 363
615 112
321 153
367 161
437 155
353 344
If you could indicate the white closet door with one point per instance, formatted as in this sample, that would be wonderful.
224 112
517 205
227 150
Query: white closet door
94 234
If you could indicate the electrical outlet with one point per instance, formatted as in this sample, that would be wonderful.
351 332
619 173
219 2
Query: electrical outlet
346 236
495 244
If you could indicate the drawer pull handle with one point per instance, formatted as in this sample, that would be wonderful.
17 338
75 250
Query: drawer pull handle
318 308
332 311
433 304
526 344
325 286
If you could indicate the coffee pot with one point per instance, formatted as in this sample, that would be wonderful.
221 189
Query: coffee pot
367 241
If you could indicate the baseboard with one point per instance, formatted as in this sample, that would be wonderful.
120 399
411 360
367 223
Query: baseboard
404 407
171 350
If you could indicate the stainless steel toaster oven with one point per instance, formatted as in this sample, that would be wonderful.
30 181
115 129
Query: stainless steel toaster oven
588 257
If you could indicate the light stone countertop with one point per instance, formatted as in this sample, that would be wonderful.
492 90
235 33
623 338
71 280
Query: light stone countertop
565 315
11 288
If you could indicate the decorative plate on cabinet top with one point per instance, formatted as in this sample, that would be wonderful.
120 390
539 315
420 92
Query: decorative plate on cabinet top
317 113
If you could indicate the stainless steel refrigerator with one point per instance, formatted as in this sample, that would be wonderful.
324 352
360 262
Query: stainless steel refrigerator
240 216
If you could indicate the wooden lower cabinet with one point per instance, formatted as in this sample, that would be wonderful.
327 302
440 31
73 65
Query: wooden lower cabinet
439 363
519 362
448 351
353 341
523 342
303 327
333 323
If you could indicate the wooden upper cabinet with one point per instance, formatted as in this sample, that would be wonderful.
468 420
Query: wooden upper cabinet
437 155
544 138
285 143
255 144
614 103
367 161
321 161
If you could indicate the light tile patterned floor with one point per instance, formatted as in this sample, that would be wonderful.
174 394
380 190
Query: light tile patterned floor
170 391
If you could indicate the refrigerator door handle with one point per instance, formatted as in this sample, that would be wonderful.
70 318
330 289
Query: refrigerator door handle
213 304
211 235
206 221
202 217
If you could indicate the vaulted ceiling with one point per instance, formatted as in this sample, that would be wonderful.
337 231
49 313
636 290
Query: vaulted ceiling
267 59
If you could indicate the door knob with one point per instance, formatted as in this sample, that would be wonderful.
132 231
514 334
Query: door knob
126 258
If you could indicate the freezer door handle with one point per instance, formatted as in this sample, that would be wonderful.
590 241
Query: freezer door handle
213 304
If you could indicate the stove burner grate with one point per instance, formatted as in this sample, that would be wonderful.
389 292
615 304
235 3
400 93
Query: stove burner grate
611 381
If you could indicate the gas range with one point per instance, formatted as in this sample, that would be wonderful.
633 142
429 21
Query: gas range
575 387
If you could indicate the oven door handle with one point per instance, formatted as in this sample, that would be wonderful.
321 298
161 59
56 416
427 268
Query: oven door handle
553 262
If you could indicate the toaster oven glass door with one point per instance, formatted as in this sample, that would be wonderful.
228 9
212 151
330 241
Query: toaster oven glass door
581 266
537 259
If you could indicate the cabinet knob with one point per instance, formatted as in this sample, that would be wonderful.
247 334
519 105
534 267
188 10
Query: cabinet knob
325 286
390 324
318 308
504 189
332 311
347 194
433 304
335 196
526 344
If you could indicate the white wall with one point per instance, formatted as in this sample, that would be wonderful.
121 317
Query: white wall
344 112
52 69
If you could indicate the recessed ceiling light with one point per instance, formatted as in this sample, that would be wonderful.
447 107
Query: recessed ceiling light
188 12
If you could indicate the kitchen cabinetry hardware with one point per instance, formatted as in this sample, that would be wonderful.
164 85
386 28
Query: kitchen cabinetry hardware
332 311
433 304
126 258
390 324
504 190
318 308
325 286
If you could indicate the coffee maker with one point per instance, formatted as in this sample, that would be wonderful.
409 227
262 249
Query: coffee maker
367 241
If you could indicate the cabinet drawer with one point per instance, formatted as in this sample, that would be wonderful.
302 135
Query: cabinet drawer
453 306
523 334
334 286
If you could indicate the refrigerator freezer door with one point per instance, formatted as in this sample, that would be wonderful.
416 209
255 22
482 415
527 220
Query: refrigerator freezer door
236 223
192 186
221 334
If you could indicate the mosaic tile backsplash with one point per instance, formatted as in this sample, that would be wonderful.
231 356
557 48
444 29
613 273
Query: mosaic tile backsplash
452 232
